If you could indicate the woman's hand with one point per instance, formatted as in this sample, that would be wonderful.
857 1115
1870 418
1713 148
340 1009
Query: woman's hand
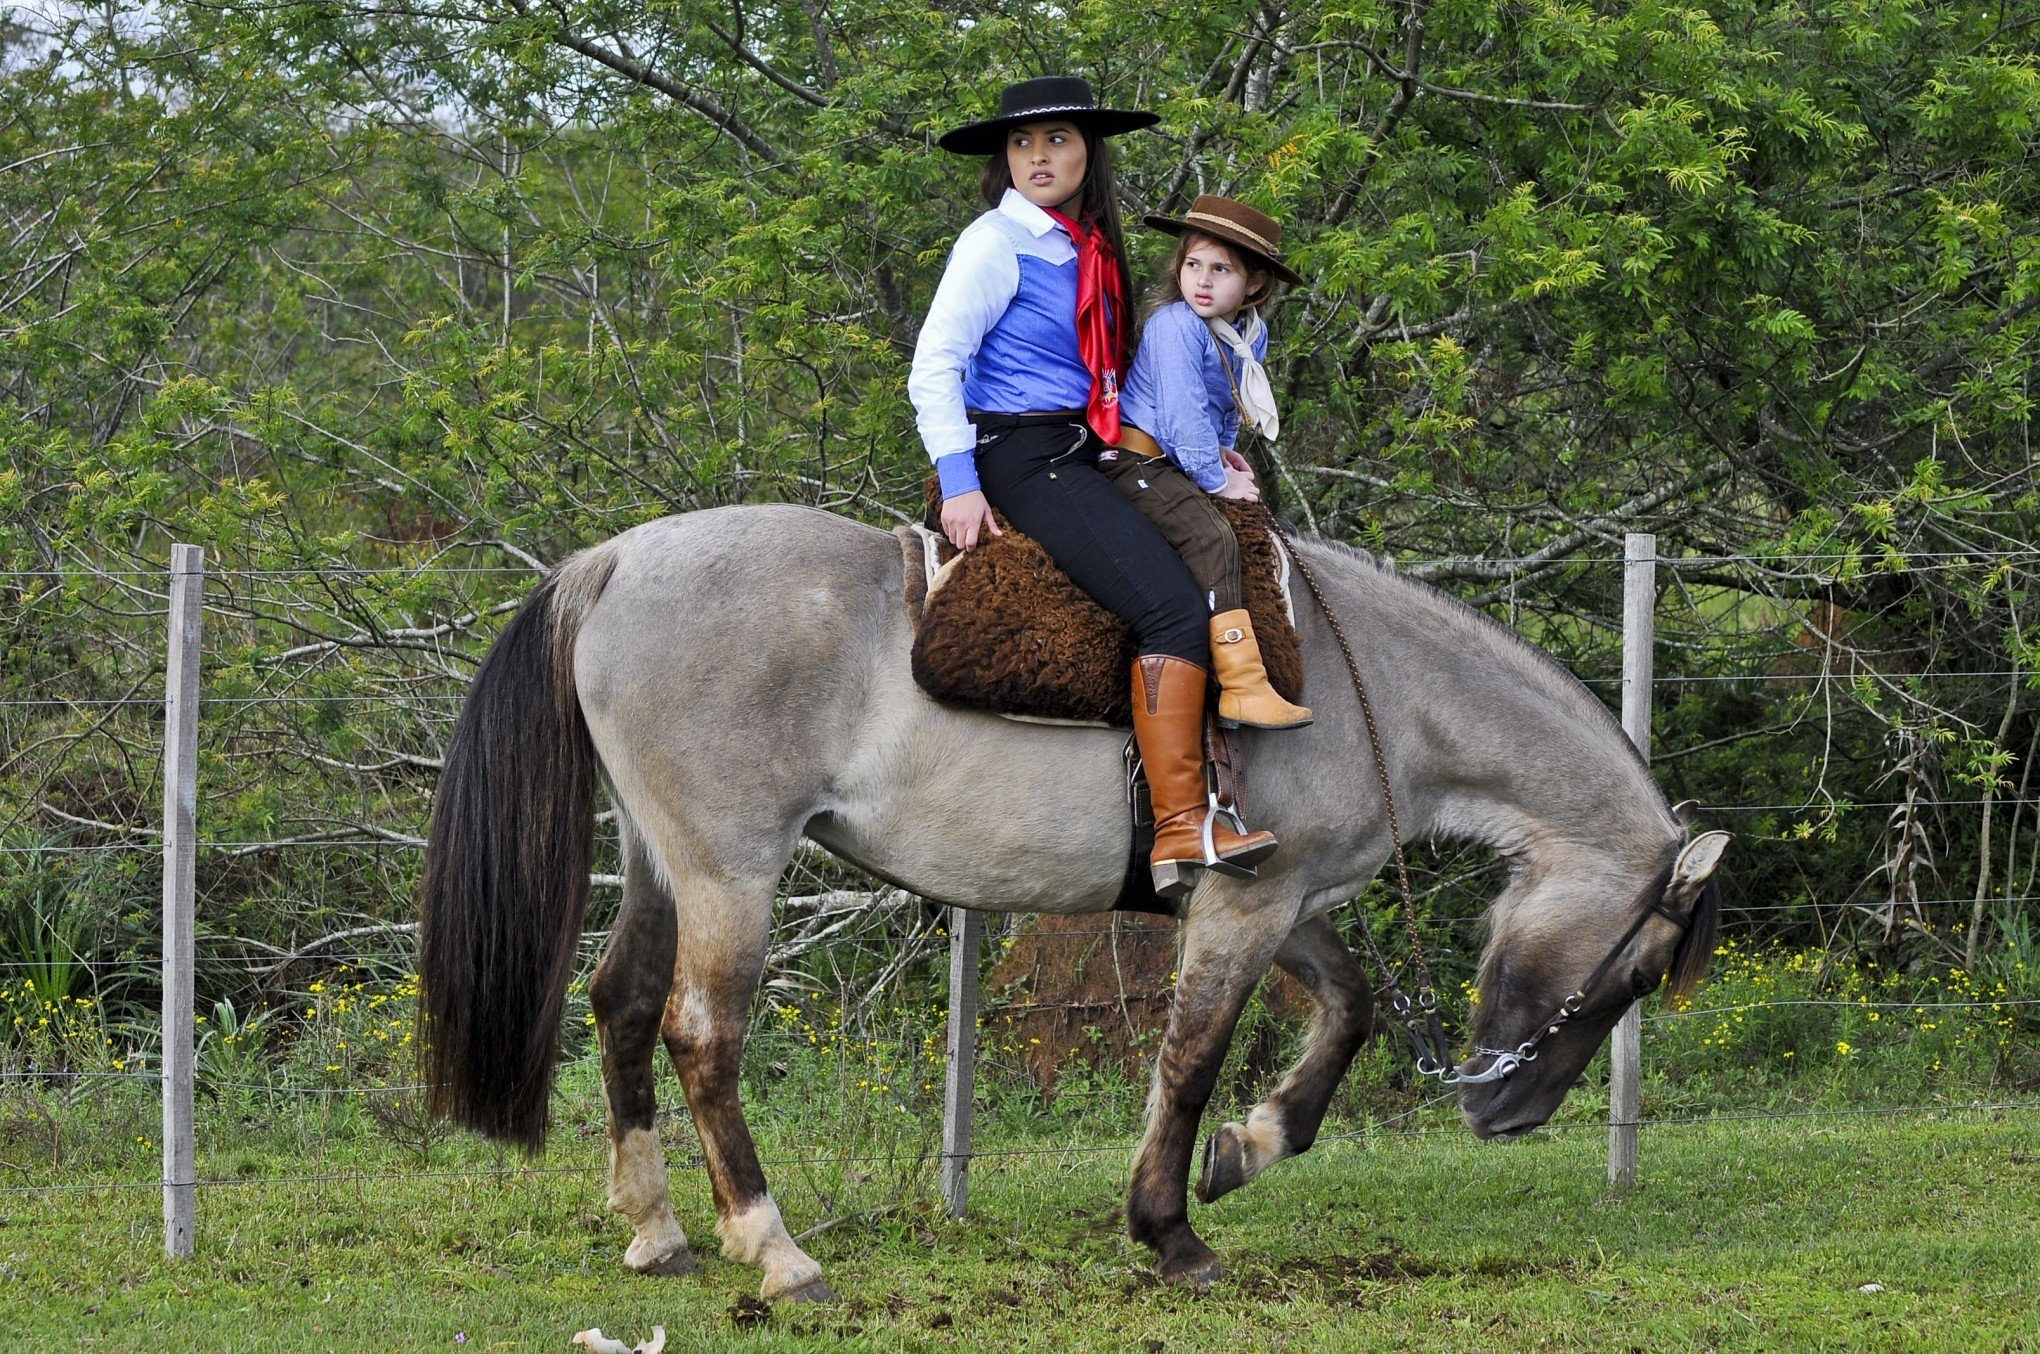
964 516
1234 461
1239 484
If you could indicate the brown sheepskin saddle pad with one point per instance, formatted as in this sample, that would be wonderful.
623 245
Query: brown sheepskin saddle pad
1001 628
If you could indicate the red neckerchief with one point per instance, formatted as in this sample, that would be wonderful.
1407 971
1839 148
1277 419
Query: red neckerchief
1100 308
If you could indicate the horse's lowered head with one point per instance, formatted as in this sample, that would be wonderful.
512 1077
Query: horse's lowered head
1573 943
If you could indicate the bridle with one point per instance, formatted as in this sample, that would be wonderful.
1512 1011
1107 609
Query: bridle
1420 1017
1508 1060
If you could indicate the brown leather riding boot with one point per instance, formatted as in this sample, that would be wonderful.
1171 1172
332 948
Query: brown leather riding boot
1168 722
1244 696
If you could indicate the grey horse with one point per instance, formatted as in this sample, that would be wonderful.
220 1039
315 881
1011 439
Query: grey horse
738 679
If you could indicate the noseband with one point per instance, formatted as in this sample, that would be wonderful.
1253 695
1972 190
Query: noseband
1507 1061
1419 1018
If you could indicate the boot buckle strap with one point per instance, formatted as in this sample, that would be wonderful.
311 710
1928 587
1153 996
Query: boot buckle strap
1231 635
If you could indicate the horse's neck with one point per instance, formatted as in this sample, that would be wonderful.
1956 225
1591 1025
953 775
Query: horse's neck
1487 740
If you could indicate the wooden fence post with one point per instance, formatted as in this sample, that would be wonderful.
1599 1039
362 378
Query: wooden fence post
1625 1050
180 924
966 931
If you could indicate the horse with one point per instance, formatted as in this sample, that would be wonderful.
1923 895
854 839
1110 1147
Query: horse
738 679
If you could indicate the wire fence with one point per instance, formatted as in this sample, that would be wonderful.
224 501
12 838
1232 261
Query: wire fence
1060 1150
1769 668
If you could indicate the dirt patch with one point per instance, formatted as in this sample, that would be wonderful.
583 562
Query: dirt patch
1096 990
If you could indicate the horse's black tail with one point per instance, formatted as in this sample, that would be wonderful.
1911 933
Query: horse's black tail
506 870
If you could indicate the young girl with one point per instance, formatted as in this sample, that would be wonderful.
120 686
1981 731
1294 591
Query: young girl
1015 385
1198 374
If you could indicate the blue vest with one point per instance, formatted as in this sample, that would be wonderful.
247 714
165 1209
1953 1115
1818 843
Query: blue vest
1029 359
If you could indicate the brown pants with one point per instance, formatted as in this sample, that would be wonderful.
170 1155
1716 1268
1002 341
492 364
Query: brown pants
1188 517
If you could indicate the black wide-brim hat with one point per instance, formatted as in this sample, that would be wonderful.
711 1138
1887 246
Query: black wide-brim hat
1253 232
1051 96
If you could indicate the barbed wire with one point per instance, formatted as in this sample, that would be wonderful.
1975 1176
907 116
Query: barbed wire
407 842
381 698
929 1158
1873 556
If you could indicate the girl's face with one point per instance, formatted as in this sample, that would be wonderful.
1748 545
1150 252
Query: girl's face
1048 161
1212 280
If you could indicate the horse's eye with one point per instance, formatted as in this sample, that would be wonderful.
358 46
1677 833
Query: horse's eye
1642 984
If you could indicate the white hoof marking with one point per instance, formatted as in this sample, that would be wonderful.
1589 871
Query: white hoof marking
757 1236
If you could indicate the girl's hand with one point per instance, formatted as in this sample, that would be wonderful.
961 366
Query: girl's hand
964 516
1234 461
1239 484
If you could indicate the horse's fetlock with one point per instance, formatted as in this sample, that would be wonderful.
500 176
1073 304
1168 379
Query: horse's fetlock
1149 1220
1267 1135
637 1177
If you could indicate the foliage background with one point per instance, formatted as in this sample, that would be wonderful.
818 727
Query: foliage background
393 306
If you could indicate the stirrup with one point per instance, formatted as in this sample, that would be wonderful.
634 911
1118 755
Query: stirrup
1208 838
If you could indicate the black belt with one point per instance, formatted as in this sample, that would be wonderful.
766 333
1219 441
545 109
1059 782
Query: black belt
1003 422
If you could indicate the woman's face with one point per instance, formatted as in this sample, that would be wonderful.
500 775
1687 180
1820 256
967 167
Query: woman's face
1213 281
1048 161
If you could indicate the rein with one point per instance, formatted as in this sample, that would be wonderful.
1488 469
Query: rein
1420 1018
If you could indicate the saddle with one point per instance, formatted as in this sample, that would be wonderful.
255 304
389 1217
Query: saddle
1002 629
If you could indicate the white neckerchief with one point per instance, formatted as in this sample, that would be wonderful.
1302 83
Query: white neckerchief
1256 396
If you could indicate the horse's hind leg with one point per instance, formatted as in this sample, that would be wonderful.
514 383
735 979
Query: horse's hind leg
724 928
628 994
1286 1123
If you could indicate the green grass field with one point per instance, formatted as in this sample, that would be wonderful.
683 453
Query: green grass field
1776 1184
1755 1232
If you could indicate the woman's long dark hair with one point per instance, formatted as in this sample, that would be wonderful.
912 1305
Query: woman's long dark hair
1100 207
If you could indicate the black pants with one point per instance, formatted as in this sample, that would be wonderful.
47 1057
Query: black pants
1039 472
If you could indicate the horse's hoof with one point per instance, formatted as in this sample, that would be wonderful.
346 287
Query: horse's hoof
1225 1165
814 1290
1197 1271
672 1265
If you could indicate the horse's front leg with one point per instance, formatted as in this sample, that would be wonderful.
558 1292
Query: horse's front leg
1228 939
1286 1123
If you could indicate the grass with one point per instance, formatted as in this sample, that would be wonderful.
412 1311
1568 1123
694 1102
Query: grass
338 1217
1758 1231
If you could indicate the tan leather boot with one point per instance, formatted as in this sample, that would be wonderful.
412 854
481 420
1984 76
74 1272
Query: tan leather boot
1168 722
1244 696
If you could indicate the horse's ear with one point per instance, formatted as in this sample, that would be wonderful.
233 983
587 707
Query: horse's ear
1697 861
1686 810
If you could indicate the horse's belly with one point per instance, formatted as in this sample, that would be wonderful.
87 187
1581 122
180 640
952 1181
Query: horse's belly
985 813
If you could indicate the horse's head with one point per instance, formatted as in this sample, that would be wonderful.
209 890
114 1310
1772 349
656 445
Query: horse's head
1571 948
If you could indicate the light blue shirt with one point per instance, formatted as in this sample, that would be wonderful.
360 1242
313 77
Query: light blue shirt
1000 335
1178 392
